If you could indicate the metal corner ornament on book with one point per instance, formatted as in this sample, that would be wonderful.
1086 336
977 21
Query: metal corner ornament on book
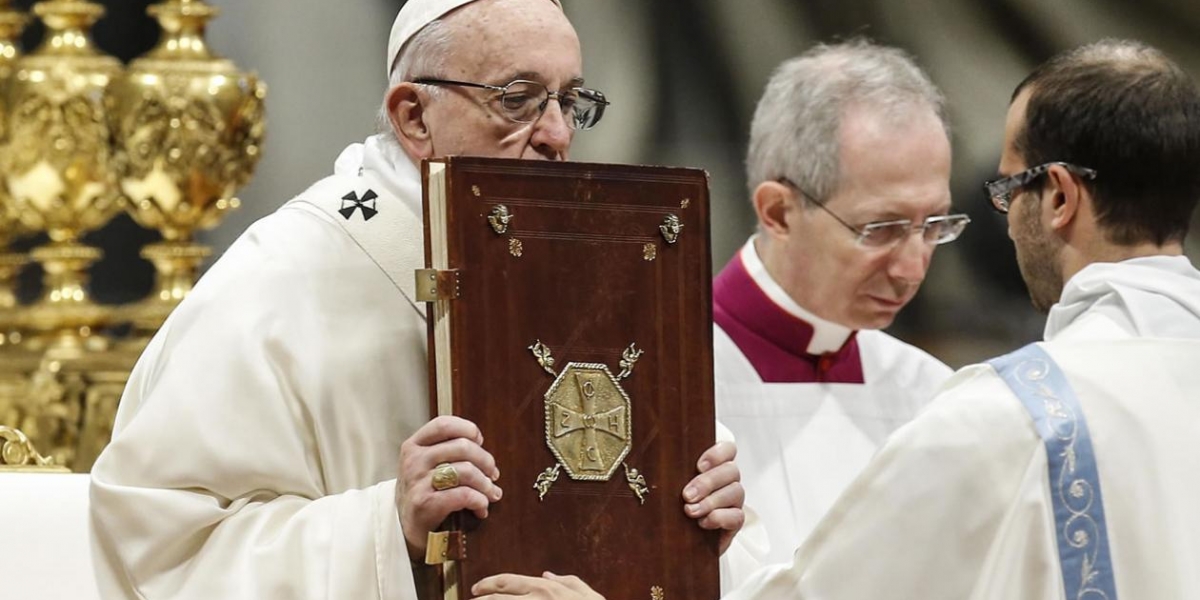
589 422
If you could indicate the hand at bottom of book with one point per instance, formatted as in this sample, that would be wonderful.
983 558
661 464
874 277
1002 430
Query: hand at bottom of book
547 587
443 469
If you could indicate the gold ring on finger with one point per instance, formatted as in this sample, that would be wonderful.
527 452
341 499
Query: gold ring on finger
445 476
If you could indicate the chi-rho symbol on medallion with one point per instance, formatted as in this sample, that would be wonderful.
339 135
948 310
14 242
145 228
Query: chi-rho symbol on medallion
589 426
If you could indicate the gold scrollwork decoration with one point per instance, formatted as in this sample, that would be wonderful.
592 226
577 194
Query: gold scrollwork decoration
515 247
499 218
545 480
656 593
637 483
18 451
476 191
685 202
670 228
628 358
542 353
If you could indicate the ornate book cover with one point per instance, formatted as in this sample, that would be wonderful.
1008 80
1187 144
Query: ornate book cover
570 318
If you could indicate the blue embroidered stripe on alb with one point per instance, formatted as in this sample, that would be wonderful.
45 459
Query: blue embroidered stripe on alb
1082 533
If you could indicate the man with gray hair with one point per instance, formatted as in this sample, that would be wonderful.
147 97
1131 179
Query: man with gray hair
848 171
274 440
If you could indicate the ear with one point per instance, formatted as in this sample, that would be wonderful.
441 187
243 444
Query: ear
773 204
406 112
1067 199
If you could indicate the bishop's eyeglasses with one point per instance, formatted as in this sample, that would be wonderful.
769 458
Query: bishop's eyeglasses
1000 191
524 101
938 229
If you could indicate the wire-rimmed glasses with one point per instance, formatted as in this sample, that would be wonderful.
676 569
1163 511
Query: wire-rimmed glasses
524 101
938 229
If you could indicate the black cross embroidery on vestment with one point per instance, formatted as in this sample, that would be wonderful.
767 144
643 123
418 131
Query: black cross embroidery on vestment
351 201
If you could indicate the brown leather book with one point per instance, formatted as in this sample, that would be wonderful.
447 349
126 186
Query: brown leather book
573 324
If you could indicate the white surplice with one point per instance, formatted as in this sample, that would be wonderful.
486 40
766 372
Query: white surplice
255 450
958 503
805 432
256 447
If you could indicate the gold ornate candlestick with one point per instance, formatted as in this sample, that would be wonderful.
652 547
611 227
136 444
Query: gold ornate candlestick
58 164
12 23
190 127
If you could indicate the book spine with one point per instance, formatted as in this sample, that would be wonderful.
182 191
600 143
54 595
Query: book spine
437 207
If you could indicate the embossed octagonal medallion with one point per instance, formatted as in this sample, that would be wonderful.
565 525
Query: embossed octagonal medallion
588 421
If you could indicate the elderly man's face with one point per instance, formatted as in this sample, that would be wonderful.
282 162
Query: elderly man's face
500 41
890 170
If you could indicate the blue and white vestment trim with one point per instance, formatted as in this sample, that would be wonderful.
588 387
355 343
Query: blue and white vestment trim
1082 534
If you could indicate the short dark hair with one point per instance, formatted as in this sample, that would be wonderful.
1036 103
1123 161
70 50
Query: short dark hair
1126 110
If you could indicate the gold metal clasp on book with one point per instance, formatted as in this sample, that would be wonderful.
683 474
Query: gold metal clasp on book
434 284
445 546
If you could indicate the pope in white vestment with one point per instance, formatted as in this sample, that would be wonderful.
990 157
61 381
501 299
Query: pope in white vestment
959 503
808 400
276 478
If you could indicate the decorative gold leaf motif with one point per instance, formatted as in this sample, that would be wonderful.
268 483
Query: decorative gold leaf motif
515 247
649 252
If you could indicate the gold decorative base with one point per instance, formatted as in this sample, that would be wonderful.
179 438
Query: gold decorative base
64 399
65 313
175 265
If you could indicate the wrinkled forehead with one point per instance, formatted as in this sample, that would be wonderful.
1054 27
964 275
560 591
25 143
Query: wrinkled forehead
416 14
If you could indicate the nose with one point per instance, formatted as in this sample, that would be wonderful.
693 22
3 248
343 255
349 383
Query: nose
551 134
910 259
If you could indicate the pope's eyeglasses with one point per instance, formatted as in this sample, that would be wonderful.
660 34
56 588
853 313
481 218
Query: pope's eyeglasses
524 101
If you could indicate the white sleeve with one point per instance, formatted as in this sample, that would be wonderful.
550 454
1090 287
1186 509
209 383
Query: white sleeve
219 482
346 545
926 514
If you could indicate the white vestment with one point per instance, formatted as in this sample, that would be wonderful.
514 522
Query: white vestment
809 401
256 446
255 450
959 505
